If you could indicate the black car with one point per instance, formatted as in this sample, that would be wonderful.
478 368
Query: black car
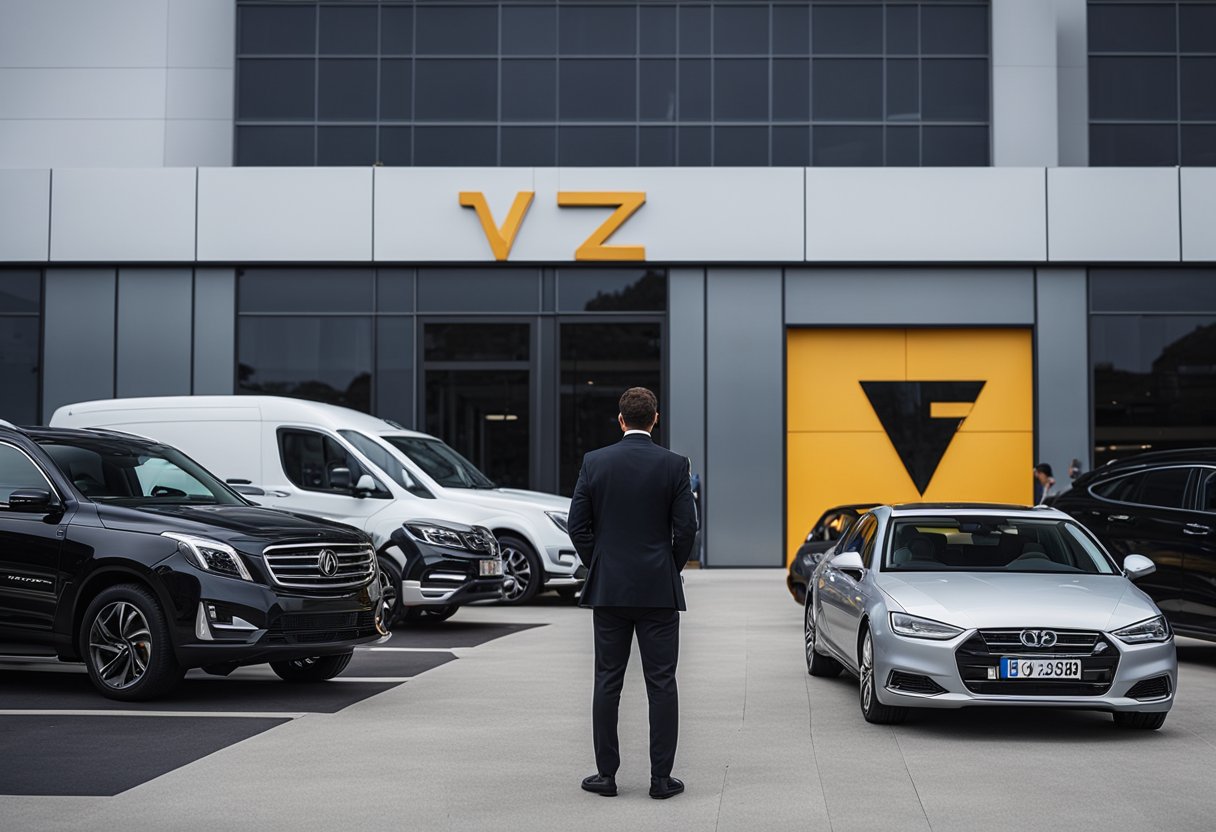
829 528
443 566
127 555
1161 505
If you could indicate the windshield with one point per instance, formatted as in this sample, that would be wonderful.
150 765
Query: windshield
383 459
993 544
441 463
109 470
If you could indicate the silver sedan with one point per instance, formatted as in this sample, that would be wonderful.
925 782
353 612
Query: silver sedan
962 605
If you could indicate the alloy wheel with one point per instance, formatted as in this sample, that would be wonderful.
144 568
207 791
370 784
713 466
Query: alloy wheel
388 598
515 565
809 632
120 645
867 673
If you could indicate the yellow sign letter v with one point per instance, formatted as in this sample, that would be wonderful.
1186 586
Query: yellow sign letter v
500 239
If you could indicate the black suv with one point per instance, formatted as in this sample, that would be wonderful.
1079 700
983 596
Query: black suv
1162 505
127 555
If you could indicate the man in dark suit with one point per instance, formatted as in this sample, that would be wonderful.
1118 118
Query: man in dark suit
633 522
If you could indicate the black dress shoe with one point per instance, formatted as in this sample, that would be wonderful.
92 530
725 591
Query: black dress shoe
602 784
662 788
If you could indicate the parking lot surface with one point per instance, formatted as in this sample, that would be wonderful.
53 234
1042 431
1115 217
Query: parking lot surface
483 723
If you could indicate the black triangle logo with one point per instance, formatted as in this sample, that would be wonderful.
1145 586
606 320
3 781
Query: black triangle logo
905 409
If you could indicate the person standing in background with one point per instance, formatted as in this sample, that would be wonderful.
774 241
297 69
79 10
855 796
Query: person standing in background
1047 483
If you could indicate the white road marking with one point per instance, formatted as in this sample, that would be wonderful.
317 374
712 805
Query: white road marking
393 679
87 712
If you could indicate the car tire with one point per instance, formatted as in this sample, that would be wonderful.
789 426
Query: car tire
520 563
873 710
390 592
422 616
1149 721
817 664
314 669
125 642
797 590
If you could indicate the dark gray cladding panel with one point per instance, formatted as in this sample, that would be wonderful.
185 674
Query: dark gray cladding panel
154 324
78 337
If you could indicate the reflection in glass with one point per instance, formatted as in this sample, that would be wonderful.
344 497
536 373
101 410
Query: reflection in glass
599 362
304 290
611 290
476 342
323 359
484 415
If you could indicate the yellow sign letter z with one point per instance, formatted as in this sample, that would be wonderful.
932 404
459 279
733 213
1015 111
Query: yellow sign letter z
500 239
626 204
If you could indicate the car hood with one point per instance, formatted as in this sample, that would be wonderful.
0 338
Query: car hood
972 600
228 524
510 499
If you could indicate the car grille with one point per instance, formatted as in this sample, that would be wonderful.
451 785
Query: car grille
1156 688
300 565
914 683
317 628
979 655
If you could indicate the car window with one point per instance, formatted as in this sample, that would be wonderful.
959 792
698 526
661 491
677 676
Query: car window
860 537
440 462
1120 489
316 462
16 472
383 459
1165 487
993 544
1207 492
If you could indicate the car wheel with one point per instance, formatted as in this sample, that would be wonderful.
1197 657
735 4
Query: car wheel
797 590
124 639
313 669
817 664
873 710
1143 721
522 568
390 592
428 615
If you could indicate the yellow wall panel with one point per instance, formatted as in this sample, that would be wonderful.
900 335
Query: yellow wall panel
999 357
822 369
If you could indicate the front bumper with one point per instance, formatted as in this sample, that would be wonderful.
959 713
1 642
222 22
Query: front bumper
563 567
937 662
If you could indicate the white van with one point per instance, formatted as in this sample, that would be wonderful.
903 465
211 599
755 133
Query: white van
258 444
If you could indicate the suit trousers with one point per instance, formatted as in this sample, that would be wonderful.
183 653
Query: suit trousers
658 632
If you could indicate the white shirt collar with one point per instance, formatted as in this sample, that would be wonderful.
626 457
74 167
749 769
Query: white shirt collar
645 433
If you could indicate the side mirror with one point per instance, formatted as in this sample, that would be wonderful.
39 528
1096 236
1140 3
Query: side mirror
339 479
1138 566
32 501
365 485
850 563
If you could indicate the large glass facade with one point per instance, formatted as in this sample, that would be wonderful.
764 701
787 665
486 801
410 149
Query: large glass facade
519 369
1152 82
613 83
20 345
1153 349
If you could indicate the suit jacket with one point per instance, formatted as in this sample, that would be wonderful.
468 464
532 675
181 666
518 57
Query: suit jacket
633 522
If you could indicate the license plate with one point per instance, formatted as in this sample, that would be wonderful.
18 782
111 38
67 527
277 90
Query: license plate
1040 668
489 568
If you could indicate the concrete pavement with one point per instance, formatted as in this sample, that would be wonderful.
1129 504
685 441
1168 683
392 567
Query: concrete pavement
499 739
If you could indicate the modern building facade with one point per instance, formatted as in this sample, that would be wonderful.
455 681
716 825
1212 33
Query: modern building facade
864 251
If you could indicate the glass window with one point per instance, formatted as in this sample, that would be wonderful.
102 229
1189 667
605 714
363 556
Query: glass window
349 30
316 462
598 30
693 146
485 416
741 30
439 462
277 30
346 146
275 89
791 89
955 89
456 30
853 29
695 90
741 90
657 88
1128 27
1199 144
694 30
346 90
276 146
611 290
1197 77
396 145
457 90
323 359
1197 27
1120 489
20 293
657 30
954 29
903 146
17 472
1133 144
841 146
992 544
135 473
903 90
395 347
476 341
463 146
396 30
389 465
1207 491
597 146
846 89
1153 290
903 30
529 90
1165 488
1133 88
741 146
593 90
791 30
529 146
598 361
304 290
791 146
529 30
952 146
396 89
478 290
657 146
394 290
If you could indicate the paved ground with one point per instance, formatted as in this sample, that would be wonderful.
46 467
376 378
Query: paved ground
499 738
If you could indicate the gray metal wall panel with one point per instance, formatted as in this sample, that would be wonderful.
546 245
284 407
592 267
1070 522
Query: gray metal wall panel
1024 83
1072 61
1198 214
214 331
72 33
745 424
685 416
78 337
909 297
153 350
94 93
1112 215
25 215
1062 359
201 33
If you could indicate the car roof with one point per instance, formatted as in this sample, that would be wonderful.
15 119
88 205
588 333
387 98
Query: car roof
1184 455
40 434
974 510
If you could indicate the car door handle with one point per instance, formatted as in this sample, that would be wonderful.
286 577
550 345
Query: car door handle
1195 528
1118 518
275 493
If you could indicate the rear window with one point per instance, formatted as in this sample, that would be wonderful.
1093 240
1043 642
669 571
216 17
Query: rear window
993 544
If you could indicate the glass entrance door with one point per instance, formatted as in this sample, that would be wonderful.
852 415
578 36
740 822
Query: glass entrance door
477 394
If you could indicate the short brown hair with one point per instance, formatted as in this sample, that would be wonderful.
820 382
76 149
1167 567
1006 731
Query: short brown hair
638 408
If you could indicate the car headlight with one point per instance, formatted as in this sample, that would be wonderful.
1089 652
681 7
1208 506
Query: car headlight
1144 632
916 627
210 555
560 519
437 535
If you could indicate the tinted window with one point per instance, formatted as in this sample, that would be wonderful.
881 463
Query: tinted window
1120 489
1207 491
277 30
305 290
457 30
741 90
741 30
20 345
476 342
383 459
529 30
611 290
440 462
316 462
598 30
457 90
1165 488
347 90
339 146
324 359
349 30
992 544
16 471
478 290
275 89
598 90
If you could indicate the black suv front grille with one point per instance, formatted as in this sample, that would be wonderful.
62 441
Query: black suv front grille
1157 687
979 656
317 628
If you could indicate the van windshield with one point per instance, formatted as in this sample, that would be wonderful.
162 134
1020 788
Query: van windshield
441 463
131 473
